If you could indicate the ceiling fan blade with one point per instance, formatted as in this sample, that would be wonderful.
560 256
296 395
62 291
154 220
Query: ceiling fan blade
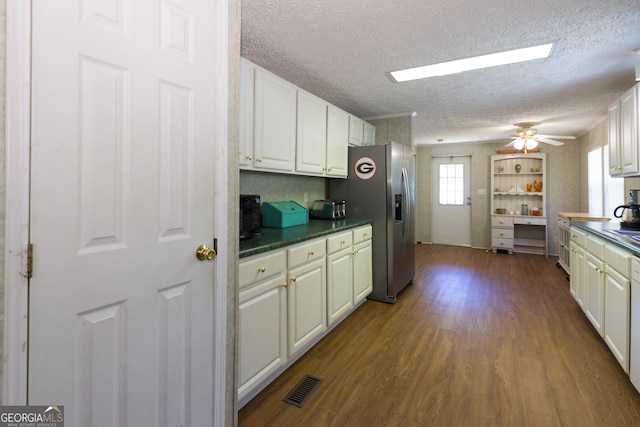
549 141
557 136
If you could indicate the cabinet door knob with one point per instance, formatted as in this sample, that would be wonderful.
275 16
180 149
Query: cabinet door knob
284 285
259 160
311 253
249 157
293 279
261 269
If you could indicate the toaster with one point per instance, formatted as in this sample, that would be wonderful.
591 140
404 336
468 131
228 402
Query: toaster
329 209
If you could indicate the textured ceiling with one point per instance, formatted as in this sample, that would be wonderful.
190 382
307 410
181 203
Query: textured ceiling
342 51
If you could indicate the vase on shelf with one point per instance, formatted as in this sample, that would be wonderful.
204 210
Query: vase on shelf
518 168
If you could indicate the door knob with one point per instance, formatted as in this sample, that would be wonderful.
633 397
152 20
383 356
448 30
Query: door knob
205 253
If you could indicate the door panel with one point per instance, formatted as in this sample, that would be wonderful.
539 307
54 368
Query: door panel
121 311
451 223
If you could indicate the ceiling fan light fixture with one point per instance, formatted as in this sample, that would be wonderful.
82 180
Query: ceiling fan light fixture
526 133
518 144
531 144
474 63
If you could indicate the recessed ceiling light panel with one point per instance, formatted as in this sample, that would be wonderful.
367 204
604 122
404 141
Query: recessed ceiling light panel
475 63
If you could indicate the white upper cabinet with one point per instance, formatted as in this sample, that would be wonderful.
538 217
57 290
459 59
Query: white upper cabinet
285 129
275 122
369 136
245 152
356 130
337 142
624 153
311 141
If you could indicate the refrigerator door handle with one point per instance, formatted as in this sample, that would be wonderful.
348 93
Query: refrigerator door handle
407 211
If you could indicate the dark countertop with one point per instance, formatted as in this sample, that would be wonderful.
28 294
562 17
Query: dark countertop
604 230
274 238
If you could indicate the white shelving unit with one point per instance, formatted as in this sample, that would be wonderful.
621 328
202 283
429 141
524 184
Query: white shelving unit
518 186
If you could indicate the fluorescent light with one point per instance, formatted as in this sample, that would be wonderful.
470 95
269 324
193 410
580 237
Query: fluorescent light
475 63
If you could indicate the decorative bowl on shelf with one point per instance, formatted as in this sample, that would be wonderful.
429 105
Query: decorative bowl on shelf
501 211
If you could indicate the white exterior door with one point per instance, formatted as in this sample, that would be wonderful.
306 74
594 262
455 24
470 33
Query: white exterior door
123 146
451 201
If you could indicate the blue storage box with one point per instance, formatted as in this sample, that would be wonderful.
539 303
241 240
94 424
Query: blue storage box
283 214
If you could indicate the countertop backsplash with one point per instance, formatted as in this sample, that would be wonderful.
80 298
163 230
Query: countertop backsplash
275 187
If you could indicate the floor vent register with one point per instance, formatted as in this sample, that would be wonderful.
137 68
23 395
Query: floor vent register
301 393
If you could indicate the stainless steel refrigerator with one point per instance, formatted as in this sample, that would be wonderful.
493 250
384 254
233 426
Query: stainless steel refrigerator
380 187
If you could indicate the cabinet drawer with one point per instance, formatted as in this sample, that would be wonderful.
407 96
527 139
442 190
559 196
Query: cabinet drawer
339 241
501 221
618 259
578 237
502 233
595 246
529 221
306 252
361 234
502 243
261 267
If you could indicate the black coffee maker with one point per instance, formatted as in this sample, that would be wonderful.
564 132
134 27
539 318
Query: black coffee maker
630 214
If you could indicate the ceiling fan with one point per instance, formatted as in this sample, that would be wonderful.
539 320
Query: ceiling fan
527 137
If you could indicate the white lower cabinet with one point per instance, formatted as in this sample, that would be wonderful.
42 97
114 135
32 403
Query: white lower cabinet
307 306
362 263
262 319
594 277
289 297
594 292
578 260
617 299
502 233
339 275
600 283
350 271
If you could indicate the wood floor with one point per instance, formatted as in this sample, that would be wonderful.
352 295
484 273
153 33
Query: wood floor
479 339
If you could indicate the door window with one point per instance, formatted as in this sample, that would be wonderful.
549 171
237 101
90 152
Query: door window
451 184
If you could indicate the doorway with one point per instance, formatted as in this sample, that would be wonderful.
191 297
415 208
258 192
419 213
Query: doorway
451 200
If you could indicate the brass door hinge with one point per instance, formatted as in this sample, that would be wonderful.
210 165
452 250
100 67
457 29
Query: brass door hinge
30 261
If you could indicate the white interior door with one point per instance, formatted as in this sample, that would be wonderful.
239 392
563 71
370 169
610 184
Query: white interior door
123 145
451 200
